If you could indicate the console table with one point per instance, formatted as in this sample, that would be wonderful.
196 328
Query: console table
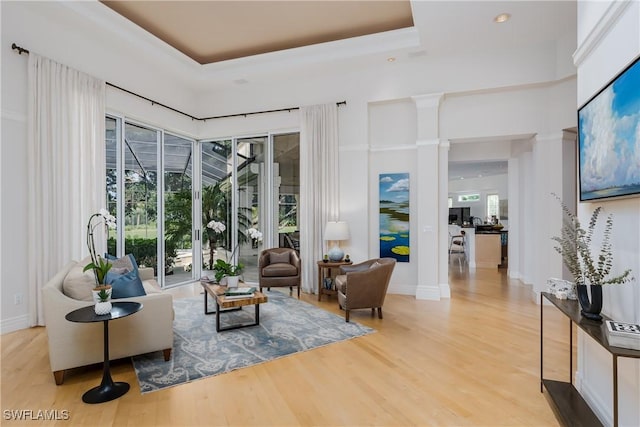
571 407
108 389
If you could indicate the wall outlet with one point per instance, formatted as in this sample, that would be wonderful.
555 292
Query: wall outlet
17 299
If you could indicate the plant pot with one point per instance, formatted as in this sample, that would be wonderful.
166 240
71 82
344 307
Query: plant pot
102 308
232 281
96 291
590 307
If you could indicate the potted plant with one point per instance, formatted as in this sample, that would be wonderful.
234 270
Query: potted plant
589 267
100 268
103 305
99 265
223 268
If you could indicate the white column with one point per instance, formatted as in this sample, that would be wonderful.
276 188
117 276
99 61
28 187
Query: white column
431 198
443 219
547 220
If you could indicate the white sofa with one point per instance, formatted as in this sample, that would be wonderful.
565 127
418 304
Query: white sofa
78 344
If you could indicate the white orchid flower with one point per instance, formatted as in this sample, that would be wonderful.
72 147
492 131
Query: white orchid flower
216 226
109 220
254 234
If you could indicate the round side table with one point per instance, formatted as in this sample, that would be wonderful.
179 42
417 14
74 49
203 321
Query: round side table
107 390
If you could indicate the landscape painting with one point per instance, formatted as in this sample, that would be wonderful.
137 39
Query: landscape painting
609 139
394 216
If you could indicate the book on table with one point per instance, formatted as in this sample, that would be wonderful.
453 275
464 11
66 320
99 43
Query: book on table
243 292
625 335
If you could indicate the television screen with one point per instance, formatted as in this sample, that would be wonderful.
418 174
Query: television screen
609 139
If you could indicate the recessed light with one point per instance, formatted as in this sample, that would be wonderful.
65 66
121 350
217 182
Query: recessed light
391 59
503 17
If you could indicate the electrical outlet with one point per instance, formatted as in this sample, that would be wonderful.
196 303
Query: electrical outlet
17 299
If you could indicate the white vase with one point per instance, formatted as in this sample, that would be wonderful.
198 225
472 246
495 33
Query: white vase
232 281
102 308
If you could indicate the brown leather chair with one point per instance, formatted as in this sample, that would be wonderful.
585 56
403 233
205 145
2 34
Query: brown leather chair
364 285
279 267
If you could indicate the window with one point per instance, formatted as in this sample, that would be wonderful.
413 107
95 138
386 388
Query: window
469 198
493 205
450 202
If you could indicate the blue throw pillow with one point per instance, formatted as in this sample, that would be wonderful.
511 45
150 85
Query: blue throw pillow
125 284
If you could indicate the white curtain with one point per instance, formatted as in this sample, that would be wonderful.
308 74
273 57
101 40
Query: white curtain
66 169
319 182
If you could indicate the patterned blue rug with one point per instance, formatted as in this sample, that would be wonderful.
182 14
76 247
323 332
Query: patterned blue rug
287 326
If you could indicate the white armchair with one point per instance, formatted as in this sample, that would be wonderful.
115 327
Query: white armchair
78 344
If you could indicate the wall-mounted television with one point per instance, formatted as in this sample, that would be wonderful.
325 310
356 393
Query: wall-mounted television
609 139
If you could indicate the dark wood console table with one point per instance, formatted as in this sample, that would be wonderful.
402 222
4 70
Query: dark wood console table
569 404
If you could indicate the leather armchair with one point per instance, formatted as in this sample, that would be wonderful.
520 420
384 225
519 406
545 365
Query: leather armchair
364 285
279 267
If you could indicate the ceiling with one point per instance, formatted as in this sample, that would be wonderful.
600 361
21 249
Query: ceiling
214 31
224 34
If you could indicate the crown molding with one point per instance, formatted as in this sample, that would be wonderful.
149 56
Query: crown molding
606 22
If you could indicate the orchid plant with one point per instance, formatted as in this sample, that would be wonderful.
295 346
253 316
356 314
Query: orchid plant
99 265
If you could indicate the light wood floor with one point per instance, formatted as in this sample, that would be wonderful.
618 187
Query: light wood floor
472 360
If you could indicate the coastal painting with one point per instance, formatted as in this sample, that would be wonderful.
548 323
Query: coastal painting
394 216
609 139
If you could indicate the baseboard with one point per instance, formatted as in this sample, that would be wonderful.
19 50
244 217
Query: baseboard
14 324
401 289
428 292
445 290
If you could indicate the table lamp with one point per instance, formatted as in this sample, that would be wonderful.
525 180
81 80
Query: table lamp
336 231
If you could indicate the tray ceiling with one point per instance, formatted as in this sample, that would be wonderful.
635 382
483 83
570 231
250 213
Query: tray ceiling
214 31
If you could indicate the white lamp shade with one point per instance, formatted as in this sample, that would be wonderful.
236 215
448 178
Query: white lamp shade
336 230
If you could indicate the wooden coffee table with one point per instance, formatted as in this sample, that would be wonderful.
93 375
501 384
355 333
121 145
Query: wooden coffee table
222 302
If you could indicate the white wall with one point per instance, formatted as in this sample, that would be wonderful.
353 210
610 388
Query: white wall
511 92
609 39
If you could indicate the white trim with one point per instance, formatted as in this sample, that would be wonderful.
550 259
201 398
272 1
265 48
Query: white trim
395 148
401 289
425 142
14 116
13 324
428 292
354 148
445 290
606 22
429 100
549 137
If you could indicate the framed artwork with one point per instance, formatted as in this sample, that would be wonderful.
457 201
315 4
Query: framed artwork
394 216
609 139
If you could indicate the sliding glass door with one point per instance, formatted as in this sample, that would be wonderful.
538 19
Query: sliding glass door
181 204
155 226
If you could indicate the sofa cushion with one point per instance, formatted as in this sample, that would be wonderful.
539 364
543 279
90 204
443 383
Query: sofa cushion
279 270
78 284
127 284
279 258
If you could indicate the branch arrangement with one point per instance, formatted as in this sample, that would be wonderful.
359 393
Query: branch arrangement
574 244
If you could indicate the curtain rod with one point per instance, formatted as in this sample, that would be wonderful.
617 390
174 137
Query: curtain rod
22 50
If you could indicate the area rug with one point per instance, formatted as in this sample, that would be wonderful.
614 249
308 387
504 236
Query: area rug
287 326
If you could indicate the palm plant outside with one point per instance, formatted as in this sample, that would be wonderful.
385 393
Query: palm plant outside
216 205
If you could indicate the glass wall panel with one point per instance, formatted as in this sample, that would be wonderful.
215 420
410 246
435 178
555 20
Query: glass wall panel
178 208
286 158
251 196
112 136
216 167
141 194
